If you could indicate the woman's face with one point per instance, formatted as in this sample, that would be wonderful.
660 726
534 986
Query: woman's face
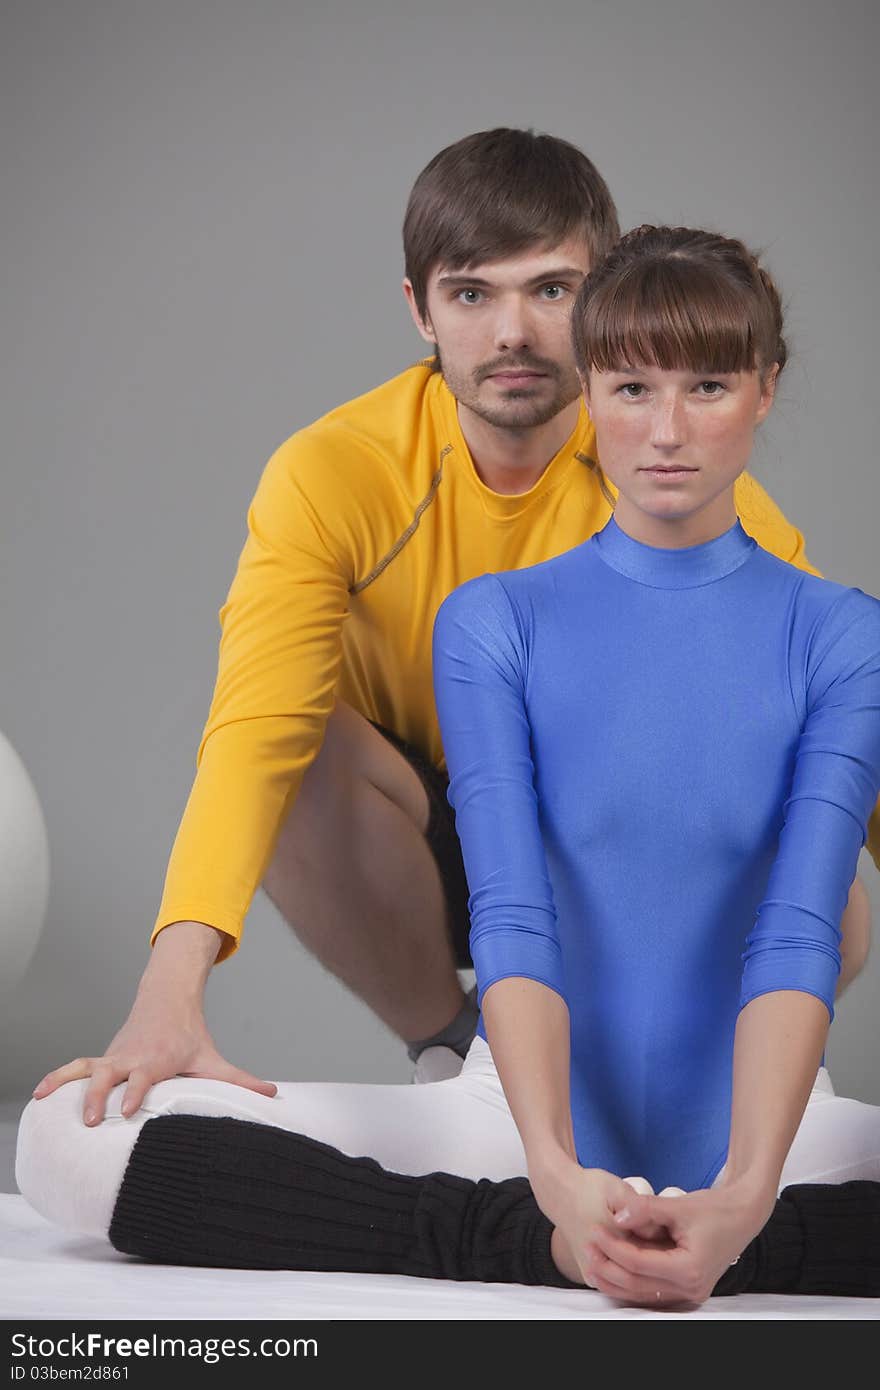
673 443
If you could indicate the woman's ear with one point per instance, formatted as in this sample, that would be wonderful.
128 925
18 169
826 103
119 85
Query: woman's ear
768 392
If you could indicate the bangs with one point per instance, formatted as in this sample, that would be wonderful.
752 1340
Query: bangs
674 315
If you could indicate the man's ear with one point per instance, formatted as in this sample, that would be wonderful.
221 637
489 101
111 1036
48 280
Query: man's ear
422 324
585 389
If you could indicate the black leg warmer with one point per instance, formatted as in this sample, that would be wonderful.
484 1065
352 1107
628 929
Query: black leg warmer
213 1191
226 1192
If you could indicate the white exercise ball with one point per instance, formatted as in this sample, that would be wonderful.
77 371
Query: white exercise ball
24 869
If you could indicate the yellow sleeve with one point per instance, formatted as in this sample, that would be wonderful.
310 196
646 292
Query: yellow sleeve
279 660
764 521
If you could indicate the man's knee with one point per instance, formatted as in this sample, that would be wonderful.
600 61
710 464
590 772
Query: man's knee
354 765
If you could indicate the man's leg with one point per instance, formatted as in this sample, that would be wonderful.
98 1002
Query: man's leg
354 877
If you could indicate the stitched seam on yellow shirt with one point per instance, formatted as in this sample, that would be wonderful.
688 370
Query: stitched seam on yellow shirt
410 530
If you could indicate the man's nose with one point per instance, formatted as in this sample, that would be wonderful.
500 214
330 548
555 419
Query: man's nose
513 330
668 422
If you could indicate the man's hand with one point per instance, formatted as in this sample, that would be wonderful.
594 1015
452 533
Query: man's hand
165 1034
706 1232
153 1045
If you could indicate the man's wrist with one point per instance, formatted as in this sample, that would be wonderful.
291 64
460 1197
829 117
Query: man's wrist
181 959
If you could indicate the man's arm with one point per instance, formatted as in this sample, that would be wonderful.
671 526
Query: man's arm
280 654
279 660
164 1035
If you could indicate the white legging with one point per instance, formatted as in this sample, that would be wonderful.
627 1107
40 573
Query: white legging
72 1173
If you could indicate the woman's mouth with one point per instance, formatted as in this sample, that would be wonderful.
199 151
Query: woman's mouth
670 474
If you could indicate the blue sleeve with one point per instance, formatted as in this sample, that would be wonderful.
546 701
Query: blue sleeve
795 940
480 671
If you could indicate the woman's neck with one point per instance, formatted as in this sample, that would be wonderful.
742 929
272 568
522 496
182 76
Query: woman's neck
677 532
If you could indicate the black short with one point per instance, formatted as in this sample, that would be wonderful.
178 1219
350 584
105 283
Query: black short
443 842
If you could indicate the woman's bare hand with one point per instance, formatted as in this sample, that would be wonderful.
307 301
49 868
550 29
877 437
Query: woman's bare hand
580 1201
706 1232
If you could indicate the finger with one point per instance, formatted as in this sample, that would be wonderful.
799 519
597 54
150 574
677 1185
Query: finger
139 1082
643 1258
631 1205
647 1228
71 1071
616 1282
105 1075
637 1213
652 1232
236 1077
642 1212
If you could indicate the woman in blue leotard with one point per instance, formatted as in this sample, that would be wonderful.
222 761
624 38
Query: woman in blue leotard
655 899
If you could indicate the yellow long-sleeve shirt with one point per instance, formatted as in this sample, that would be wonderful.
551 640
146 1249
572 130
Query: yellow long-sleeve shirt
361 524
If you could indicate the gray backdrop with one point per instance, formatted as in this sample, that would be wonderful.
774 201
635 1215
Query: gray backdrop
201 207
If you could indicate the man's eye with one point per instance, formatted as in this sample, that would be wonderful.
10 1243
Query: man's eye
469 296
553 292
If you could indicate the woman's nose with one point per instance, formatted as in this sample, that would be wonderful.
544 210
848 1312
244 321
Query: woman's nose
668 423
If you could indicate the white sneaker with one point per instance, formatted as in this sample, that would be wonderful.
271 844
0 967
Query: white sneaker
437 1064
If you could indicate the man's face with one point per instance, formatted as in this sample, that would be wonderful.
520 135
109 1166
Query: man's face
501 331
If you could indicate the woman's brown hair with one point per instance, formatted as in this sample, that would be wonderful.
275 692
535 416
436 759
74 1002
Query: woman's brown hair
678 299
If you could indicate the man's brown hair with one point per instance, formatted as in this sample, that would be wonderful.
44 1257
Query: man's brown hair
498 192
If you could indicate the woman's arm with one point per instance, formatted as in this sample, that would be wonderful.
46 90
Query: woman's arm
528 1030
791 964
855 934
780 1038
481 659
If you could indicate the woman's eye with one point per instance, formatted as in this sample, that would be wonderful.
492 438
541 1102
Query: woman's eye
712 388
632 390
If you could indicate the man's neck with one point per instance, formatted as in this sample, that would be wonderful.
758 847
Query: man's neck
510 460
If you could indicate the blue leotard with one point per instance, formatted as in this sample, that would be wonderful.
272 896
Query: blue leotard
662 764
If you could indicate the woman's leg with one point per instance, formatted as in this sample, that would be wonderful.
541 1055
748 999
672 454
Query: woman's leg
197 1189
838 1140
242 1195
72 1173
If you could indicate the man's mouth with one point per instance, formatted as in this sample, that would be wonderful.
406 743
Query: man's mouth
514 375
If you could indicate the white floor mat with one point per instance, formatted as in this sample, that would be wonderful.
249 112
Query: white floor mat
45 1273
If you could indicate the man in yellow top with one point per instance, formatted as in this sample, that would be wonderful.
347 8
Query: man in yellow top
320 771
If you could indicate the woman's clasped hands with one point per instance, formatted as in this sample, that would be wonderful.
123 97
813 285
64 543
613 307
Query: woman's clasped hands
661 1250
